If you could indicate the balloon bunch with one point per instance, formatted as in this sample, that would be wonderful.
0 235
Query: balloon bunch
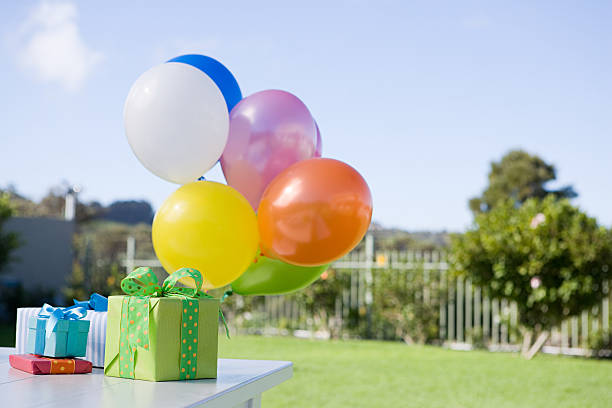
183 116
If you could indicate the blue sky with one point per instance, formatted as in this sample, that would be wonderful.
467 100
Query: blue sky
418 96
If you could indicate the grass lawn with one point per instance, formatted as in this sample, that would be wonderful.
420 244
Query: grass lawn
382 374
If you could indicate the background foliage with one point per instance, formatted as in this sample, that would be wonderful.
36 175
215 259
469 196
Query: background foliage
398 311
547 255
8 240
567 252
518 176
99 249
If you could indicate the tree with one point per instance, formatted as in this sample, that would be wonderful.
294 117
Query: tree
130 212
8 240
546 255
52 205
519 175
21 206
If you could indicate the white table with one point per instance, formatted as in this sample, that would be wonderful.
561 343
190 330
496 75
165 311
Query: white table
239 384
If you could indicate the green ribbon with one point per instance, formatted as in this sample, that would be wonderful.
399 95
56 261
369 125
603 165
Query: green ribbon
142 284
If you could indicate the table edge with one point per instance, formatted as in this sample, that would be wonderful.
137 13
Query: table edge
270 378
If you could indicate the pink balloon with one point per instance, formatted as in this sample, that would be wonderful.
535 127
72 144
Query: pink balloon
269 131
319 144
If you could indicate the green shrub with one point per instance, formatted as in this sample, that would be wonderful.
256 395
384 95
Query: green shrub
546 255
400 310
8 240
600 344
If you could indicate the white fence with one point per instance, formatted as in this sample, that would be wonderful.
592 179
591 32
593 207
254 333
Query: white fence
466 313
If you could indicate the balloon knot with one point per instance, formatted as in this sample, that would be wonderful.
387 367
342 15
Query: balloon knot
227 294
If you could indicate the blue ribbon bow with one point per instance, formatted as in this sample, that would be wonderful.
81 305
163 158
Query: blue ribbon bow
55 314
96 302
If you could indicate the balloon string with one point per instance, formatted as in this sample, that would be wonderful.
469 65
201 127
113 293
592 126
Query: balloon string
227 294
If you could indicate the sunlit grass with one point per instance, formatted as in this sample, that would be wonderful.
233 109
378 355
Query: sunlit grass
383 374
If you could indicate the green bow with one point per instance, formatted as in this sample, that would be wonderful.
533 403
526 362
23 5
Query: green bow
142 284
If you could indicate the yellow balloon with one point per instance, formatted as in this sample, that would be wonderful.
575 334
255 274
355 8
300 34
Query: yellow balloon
207 226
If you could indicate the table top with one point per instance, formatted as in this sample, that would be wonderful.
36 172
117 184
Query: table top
236 382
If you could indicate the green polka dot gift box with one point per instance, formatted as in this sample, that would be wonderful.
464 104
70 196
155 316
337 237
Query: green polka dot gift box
162 333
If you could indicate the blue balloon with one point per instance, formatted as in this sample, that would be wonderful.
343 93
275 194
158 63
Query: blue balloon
218 73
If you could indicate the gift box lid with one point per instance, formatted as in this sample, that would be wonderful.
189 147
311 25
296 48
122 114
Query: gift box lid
40 323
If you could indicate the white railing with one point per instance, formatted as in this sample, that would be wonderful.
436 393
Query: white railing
465 311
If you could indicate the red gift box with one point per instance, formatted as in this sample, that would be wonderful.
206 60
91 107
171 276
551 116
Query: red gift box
34 364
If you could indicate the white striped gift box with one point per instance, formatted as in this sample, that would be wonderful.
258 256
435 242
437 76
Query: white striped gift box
95 340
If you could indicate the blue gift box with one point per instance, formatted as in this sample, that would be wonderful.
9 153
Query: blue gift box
67 337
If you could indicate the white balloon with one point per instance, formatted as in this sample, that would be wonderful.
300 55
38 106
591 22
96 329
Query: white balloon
176 121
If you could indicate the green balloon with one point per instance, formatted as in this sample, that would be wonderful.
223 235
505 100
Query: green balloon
267 276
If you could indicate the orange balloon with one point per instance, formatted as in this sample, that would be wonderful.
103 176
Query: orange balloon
314 212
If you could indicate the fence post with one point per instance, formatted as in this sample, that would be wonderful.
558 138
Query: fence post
87 264
513 322
468 311
585 329
338 317
459 303
129 254
605 308
369 253
451 311
595 319
564 334
486 316
477 313
504 325
496 320
442 295
575 339
433 257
